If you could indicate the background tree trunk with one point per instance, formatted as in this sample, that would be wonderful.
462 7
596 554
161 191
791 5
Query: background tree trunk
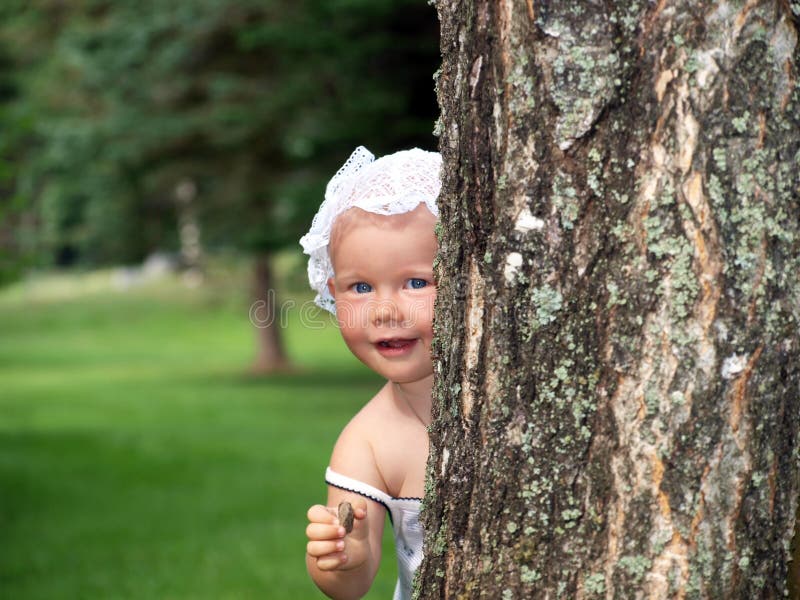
266 316
618 363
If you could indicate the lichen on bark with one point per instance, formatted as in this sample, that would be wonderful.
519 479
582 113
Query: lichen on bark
617 358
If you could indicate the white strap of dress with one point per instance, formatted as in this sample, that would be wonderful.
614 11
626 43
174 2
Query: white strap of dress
359 487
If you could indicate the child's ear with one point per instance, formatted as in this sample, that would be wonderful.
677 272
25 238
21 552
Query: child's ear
330 286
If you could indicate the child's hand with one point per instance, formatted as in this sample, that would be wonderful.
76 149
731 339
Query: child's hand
328 544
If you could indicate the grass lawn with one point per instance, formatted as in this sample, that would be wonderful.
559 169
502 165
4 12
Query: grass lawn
139 460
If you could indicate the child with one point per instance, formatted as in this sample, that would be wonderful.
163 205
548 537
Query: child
371 249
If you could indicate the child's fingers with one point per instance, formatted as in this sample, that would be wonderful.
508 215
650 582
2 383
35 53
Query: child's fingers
320 514
321 531
320 549
359 508
331 562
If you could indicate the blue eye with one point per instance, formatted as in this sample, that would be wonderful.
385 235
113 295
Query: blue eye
417 284
362 288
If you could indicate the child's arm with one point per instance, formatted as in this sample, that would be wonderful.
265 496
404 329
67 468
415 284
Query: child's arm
344 566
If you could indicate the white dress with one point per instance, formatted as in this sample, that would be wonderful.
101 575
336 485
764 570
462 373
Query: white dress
404 515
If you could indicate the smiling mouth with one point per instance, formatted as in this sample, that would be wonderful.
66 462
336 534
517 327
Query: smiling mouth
397 343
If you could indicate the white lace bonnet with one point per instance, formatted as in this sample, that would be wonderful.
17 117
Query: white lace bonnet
391 185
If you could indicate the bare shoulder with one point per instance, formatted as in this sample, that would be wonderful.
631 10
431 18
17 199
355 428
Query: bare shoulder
354 454
384 447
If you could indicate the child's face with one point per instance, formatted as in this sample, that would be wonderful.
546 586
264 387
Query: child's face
384 290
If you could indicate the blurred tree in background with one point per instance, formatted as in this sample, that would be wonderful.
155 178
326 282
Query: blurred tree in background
130 127
13 126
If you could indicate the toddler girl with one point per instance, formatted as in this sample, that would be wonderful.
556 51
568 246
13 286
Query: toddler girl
371 249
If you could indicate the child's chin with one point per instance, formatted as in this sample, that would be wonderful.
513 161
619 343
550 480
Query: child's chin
405 378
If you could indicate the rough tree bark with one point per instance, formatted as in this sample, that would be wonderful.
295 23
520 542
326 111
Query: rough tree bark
617 395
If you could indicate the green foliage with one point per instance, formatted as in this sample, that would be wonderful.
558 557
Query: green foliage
14 127
253 102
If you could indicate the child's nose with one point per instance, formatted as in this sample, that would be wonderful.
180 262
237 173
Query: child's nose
385 312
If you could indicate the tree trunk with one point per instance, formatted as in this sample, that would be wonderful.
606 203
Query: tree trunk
266 316
189 231
617 395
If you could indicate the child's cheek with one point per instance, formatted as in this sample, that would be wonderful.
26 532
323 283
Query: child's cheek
344 314
420 312
352 315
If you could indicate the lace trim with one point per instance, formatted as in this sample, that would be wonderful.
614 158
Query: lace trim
348 484
391 185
